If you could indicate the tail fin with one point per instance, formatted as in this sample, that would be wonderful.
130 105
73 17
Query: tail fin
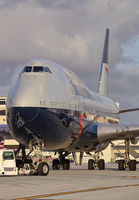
104 73
2 143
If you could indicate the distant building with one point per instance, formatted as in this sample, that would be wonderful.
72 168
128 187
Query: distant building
3 110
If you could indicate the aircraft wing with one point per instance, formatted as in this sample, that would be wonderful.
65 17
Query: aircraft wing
128 110
4 131
110 132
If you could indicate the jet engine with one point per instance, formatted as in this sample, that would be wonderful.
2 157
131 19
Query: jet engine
134 140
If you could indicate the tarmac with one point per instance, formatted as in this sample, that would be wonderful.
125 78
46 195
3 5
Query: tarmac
76 183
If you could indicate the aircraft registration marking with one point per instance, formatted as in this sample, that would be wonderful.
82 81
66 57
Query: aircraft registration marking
77 191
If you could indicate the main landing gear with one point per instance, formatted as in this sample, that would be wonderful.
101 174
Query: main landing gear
61 162
126 162
36 164
65 164
96 162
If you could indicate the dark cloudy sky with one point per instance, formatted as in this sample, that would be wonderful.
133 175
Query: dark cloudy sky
71 33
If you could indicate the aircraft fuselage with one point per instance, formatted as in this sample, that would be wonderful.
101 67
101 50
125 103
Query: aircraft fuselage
50 102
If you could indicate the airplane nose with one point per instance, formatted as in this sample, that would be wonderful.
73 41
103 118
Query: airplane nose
22 115
20 121
26 91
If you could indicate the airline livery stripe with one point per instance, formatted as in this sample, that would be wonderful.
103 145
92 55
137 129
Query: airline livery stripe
107 71
81 124
99 119
77 191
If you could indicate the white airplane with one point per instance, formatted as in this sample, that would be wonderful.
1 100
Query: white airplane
49 107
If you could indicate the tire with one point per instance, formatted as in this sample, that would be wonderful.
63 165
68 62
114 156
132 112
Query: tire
56 164
31 173
121 165
43 169
19 163
91 164
101 164
132 165
66 164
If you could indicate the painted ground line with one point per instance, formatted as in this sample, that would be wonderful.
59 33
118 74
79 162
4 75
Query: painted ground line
74 192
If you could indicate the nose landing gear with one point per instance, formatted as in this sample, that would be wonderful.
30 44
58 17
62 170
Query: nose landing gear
36 163
39 166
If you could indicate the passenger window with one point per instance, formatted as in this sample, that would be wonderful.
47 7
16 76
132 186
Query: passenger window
38 69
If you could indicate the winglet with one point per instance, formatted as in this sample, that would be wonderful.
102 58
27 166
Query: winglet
104 71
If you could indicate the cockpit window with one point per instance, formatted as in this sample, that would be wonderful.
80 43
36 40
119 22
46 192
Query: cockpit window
38 69
47 70
27 69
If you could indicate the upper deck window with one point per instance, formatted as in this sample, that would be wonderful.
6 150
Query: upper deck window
78 86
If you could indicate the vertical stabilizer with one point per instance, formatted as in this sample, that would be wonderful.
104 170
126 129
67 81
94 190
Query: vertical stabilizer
104 72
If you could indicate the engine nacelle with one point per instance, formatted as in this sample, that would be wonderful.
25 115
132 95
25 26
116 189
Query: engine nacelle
134 140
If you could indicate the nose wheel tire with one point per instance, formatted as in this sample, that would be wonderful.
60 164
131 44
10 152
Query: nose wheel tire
43 169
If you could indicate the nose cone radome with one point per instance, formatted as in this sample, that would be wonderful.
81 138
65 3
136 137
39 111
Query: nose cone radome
26 91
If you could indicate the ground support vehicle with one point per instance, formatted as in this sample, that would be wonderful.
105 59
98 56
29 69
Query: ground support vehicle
7 162
10 165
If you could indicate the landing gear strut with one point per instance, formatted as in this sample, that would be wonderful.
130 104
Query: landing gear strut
95 162
127 163
61 162
41 168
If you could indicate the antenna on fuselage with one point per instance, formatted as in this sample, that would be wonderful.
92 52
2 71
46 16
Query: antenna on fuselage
104 71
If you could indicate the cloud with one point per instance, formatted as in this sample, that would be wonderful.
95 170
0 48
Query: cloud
71 33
